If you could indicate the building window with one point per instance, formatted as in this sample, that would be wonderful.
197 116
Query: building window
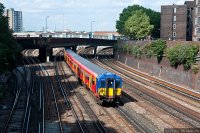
174 26
198 10
174 18
198 2
174 34
197 20
175 10
197 30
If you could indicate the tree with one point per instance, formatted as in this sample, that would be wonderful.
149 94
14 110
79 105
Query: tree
127 13
138 25
10 51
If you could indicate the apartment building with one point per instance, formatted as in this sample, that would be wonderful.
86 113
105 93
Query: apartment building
14 19
196 19
181 22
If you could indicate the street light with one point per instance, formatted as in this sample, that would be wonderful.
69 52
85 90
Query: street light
91 28
46 22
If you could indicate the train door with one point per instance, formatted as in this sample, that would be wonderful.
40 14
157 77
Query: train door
90 82
110 87
87 80
94 85
83 76
76 69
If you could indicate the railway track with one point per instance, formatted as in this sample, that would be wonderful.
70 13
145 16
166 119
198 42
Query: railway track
189 94
191 118
16 117
19 117
95 122
53 121
37 113
139 123
67 101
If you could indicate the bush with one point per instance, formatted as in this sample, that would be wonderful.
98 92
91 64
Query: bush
158 47
136 51
182 54
148 51
127 48
195 68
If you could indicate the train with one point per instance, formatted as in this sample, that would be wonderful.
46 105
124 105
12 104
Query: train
105 86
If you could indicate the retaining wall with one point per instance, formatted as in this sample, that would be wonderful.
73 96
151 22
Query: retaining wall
163 70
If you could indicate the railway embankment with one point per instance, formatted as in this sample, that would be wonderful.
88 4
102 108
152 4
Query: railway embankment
163 70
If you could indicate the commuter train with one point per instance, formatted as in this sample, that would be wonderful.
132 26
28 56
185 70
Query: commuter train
105 85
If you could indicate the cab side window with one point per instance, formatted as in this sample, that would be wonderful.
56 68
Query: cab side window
117 84
103 84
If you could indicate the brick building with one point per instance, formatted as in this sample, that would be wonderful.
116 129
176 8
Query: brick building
181 22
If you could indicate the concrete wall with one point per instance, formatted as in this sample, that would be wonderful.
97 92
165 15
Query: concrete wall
174 75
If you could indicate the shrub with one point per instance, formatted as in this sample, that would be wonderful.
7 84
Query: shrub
195 68
182 54
136 51
127 48
158 47
147 50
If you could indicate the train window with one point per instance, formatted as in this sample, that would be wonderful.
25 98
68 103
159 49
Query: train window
103 83
93 81
117 84
110 83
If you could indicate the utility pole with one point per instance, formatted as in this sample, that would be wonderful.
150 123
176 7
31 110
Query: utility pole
46 22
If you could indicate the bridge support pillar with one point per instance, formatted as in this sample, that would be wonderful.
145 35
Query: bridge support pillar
45 54
49 54
114 50
74 49
95 52
42 54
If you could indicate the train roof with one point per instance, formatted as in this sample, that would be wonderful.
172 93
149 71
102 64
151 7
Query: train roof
91 66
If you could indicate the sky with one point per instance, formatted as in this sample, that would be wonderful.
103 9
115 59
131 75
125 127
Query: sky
77 15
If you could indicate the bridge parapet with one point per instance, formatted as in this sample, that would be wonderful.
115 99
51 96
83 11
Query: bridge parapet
45 44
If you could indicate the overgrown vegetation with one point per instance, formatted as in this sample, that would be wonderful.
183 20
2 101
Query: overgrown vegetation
156 48
10 51
136 51
182 54
178 55
195 68
148 51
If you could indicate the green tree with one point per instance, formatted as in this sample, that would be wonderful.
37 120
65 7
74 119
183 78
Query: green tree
138 25
10 51
127 12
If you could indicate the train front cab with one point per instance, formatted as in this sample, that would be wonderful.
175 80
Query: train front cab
109 87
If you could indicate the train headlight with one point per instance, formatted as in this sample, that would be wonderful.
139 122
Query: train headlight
101 91
118 91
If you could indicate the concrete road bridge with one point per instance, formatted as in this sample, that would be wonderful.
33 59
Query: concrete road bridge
45 45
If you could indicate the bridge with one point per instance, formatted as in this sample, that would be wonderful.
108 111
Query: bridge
45 45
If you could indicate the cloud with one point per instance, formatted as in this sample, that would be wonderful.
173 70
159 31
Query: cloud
77 14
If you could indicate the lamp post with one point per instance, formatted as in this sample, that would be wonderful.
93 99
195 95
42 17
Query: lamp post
91 28
46 22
